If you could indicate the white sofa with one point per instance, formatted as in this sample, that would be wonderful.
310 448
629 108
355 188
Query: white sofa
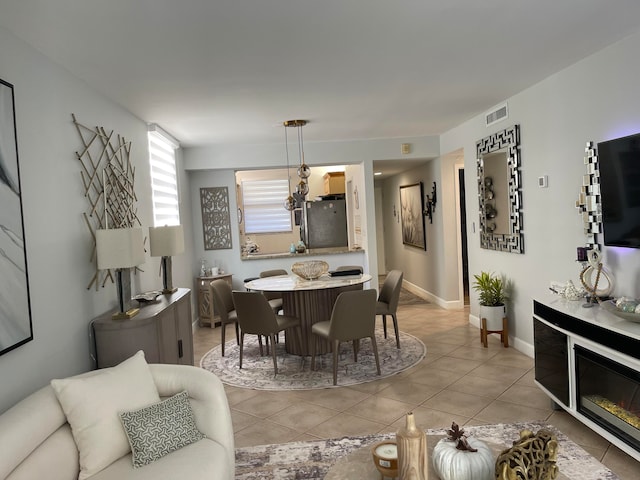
36 441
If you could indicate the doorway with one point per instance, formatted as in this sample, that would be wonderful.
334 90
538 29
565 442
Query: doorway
462 232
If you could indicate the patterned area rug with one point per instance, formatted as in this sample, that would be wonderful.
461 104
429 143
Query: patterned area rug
294 371
314 460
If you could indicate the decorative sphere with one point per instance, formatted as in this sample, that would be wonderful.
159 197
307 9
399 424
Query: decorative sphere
304 171
289 203
302 188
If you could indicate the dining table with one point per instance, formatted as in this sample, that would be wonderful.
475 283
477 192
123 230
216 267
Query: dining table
309 300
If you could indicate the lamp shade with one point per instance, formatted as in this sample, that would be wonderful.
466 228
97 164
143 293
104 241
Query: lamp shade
119 248
166 241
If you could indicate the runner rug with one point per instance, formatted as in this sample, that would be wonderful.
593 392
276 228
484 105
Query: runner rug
294 372
317 459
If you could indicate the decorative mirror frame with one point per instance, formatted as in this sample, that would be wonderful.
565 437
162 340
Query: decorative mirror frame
589 203
513 241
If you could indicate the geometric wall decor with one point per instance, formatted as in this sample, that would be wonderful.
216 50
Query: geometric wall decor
216 218
507 140
15 306
108 180
589 203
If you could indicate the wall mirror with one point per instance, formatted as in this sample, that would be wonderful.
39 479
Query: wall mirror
500 191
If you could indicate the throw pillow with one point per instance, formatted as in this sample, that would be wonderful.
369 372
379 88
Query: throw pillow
92 404
160 429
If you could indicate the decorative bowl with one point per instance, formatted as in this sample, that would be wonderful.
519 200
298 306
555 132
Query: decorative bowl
310 269
385 458
610 306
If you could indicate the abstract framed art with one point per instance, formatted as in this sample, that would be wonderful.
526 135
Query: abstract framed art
411 215
15 308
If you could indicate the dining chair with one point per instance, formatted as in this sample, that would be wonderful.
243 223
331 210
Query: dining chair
223 301
256 317
353 317
388 301
275 298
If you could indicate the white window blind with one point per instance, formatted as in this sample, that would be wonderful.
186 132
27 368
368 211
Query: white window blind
263 203
164 178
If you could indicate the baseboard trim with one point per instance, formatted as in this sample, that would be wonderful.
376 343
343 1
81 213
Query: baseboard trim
430 297
515 342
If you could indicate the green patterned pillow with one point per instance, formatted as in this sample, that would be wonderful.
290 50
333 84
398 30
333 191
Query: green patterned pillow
161 428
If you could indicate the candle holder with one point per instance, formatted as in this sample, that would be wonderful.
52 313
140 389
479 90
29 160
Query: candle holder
385 458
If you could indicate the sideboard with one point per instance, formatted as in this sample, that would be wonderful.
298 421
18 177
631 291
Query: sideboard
207 314
587 360
162 330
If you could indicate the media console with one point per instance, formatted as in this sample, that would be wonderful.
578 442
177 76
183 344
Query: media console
587 361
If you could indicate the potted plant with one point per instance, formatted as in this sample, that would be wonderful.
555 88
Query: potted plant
493 294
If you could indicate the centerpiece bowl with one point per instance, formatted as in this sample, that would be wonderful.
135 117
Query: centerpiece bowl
310 269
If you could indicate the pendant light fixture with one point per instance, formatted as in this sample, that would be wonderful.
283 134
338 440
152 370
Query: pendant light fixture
302 188
289 203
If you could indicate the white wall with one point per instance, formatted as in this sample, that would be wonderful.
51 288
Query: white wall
596 99
57 240
214 166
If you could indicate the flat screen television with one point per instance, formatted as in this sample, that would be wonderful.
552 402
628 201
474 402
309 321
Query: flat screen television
619 161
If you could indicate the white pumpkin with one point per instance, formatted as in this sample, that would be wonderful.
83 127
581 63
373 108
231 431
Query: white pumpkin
453 464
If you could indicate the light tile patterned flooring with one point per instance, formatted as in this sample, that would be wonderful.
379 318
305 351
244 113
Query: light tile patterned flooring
459 381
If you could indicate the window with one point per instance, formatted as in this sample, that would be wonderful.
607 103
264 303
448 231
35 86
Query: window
164 178
263 203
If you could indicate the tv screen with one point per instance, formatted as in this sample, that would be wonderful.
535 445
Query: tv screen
620 190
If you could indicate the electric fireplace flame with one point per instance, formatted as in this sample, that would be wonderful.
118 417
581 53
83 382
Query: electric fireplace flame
614 413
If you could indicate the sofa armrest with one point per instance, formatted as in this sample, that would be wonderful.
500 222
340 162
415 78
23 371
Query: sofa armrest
208 400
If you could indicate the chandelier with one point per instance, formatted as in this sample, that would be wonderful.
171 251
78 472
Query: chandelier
302 188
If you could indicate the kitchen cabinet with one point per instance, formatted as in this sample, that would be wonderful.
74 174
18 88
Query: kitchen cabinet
333 183
162 329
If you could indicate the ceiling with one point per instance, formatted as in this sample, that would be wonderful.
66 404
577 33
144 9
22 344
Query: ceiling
230 71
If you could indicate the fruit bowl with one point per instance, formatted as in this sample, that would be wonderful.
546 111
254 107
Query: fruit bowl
310 269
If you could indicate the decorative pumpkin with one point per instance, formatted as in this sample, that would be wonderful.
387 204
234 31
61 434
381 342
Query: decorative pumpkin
459 457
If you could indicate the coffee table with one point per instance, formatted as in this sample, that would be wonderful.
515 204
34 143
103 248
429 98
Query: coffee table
314 460
358 465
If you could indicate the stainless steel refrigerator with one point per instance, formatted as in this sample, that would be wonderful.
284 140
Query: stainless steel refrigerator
325 224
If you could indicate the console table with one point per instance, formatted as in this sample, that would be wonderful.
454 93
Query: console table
207 313
587 360
162 329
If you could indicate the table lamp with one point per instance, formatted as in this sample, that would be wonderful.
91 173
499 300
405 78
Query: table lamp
165 242
121 249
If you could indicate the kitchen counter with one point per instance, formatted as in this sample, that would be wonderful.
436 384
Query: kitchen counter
308 253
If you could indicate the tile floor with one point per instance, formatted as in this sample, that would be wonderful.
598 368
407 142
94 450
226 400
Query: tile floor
458 380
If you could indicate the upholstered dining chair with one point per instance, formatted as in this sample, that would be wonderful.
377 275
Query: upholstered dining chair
223 301
256 317
353 318
388 301
275 298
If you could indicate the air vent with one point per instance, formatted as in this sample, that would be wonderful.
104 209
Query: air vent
496 115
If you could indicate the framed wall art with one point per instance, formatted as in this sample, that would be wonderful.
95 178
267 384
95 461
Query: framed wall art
15 307
411 215
216 219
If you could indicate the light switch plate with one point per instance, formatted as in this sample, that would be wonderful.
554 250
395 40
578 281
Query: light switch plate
543 181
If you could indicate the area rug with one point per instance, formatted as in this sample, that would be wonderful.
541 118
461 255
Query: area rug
314 460
294 372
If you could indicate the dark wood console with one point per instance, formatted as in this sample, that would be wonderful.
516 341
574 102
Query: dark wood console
162 330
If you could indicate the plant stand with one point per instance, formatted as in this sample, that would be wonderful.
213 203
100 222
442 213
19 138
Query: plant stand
504 333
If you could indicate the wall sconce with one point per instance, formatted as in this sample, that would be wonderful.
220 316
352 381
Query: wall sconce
165 242
430 203
121 249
